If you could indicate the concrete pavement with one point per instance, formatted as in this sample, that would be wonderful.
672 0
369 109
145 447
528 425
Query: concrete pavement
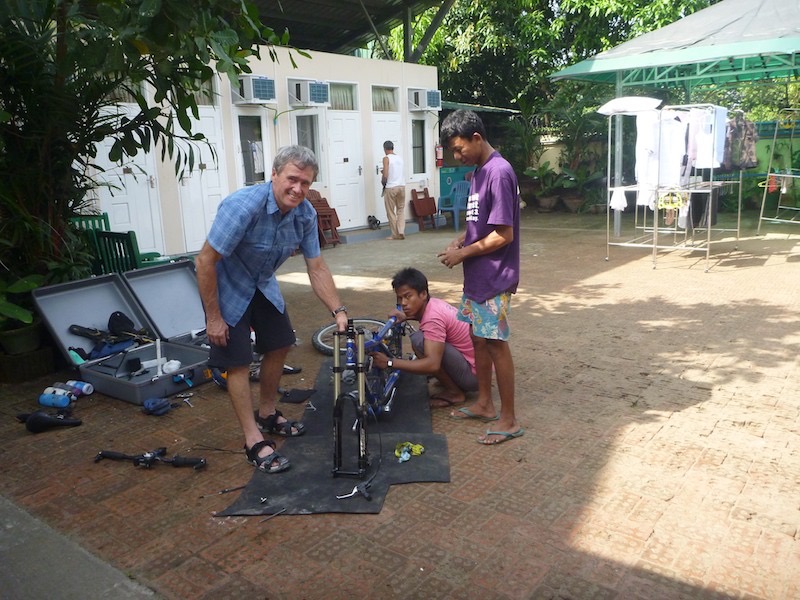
661 457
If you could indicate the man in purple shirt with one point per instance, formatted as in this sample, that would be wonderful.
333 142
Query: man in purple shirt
489 251
256 229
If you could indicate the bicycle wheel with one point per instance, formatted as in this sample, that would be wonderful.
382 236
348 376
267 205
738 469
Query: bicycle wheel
322 340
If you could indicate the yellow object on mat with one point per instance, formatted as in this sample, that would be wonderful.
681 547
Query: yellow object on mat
404 450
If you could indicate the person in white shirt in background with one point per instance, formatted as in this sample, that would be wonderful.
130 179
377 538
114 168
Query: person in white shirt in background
394 191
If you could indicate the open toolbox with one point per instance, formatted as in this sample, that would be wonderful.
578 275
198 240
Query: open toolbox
162 300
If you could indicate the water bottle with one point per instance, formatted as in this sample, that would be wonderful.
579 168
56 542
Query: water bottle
85 387
65 386
55 400
55 391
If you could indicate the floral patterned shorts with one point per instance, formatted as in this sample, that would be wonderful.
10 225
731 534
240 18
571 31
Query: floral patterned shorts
489 319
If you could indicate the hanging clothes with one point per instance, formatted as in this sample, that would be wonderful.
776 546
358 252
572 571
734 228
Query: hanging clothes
710 138
672 147
740 146
646 168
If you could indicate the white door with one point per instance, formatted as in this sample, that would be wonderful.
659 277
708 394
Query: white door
347 168
385 126
202 190
131 196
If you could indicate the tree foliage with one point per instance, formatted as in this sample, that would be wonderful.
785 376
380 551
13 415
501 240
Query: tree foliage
64 67
501 53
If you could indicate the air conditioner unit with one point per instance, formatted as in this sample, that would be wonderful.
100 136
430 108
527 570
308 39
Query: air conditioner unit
424 99
255 89
309 93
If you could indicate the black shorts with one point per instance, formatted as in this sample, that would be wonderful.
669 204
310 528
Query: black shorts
273 330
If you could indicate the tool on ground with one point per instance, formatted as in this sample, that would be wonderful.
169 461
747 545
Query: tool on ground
280 512
225 491
148 459
361 488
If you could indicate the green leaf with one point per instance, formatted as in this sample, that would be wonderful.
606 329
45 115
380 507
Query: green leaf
25 284
13 311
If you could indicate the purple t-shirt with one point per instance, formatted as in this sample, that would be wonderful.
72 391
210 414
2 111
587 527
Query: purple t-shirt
493 200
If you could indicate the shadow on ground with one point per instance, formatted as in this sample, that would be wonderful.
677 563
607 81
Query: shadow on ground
660 458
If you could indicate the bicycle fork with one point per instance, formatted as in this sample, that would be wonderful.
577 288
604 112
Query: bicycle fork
339 398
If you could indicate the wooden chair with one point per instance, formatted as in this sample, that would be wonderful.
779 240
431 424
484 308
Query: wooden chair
456 201
119 252
423 205
327 219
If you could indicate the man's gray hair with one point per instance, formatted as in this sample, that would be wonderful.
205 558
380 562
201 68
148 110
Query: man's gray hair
299 156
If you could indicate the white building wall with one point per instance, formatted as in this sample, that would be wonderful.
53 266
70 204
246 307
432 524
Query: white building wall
280 123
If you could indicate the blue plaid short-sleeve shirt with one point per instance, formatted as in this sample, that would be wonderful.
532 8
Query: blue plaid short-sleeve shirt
254 239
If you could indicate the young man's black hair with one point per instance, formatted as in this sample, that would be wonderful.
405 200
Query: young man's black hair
413 278
460 123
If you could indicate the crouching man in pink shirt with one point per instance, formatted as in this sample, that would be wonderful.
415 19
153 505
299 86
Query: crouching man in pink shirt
442 344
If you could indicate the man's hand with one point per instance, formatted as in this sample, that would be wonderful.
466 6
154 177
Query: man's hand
217 331
398 314
455 244
451 256
379 359
341 321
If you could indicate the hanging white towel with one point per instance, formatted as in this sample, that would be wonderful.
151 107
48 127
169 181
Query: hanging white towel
618 199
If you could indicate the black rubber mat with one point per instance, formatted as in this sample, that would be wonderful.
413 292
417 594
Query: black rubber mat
309 485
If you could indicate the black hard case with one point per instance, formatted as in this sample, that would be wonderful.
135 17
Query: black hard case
164 299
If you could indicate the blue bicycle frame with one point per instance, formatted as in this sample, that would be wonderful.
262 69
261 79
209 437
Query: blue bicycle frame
373 396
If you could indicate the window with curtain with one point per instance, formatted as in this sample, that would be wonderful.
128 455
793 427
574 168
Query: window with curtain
418 146
308 136
343 96
384 99
253 158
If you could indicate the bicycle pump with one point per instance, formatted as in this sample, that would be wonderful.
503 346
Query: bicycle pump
355 357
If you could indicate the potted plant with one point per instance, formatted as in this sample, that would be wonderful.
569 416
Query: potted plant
20 330
521 147
550 184
577 183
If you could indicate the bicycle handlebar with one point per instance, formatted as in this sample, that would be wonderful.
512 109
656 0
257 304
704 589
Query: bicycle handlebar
147 459
186 461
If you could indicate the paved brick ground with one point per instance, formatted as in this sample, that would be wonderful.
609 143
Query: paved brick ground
661 458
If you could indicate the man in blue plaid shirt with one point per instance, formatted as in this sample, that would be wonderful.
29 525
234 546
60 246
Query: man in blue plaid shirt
256 229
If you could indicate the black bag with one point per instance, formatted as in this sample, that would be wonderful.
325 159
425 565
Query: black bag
121 324
156 406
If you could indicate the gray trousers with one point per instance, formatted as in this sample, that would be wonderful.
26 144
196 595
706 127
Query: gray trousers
453 363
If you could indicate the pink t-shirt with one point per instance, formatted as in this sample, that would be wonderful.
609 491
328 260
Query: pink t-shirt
439 323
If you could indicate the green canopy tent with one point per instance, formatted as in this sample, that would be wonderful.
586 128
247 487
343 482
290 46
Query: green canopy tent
730 42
